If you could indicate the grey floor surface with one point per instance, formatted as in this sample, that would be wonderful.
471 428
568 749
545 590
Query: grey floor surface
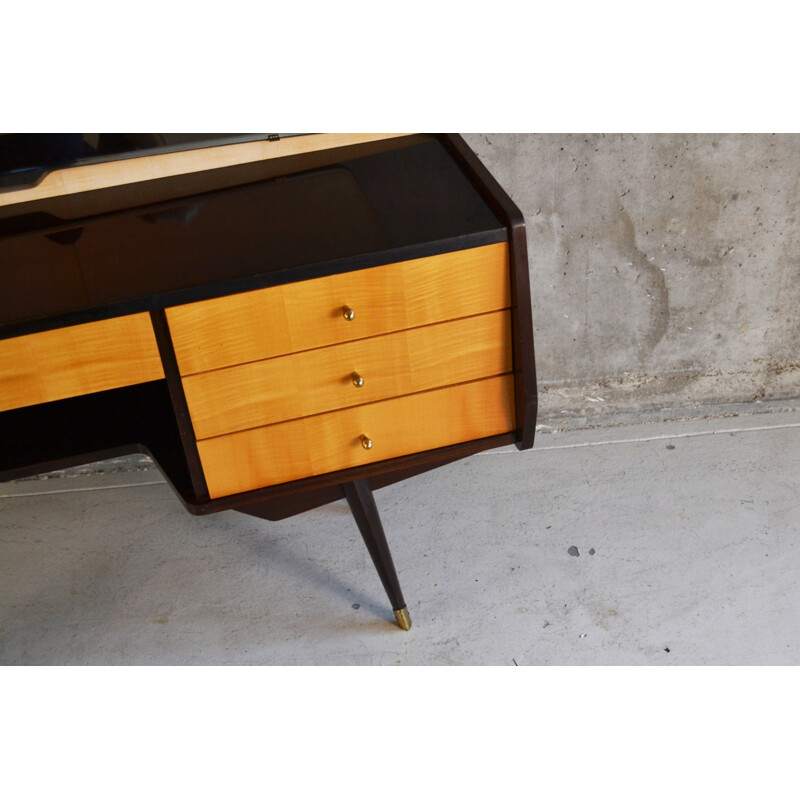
671 543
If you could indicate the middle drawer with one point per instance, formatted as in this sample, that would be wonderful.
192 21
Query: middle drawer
364 371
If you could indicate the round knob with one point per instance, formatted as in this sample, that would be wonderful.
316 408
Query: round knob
358 381
366 442
348 313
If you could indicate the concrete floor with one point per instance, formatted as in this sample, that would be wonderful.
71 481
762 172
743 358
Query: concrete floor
634 544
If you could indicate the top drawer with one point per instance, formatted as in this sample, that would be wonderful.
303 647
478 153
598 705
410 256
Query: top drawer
300 316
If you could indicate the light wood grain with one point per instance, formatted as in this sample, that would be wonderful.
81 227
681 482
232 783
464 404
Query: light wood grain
300 316
145 168
292 450
78 360
315 381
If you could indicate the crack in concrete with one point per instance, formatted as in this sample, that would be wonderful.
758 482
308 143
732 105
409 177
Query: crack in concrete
655 286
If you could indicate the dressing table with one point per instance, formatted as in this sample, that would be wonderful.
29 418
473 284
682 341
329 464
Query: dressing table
279 321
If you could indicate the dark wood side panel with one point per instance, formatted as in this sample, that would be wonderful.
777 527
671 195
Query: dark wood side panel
181 409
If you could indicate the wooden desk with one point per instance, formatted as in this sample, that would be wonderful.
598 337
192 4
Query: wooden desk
276 334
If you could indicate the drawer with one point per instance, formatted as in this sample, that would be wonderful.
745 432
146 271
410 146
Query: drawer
264 323
288 451
315 381
78 360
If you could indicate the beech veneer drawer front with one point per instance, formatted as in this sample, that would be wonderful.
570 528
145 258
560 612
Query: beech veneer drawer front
315 381
81 359
309 446
300 316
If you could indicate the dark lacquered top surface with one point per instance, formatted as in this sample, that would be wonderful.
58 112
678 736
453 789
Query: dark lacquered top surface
150 245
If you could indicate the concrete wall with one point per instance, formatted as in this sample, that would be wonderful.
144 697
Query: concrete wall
665 269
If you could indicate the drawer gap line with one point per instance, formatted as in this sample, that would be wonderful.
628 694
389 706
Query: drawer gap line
347 341
359 405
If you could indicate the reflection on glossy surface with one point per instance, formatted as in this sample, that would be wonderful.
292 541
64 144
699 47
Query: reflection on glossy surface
26 157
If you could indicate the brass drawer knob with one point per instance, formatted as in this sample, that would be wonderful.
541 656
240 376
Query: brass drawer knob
348 313
358 381
366 442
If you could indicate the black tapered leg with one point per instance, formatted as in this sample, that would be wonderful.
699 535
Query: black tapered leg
362 504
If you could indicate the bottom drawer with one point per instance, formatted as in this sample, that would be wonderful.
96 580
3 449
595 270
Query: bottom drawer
288 451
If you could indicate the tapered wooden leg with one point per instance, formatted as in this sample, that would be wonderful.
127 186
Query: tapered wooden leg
362 504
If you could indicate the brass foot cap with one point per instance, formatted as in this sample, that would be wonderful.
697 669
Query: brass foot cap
403 619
